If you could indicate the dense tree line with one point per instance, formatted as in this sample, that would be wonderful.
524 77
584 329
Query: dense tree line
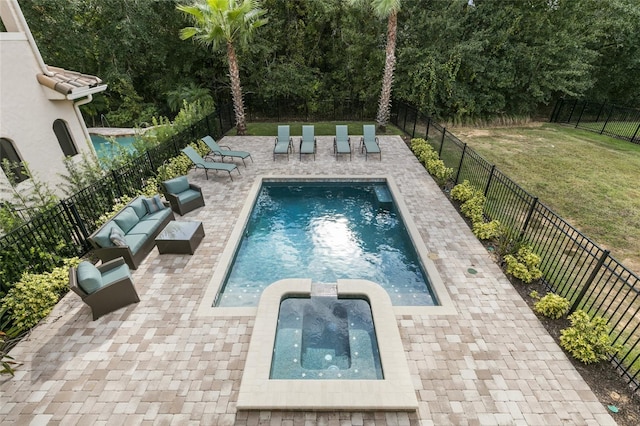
456 59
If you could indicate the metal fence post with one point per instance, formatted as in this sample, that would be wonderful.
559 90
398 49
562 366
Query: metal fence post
633 138
590 280
607 120
73 215
426 135
486 188
584 106
464 150
532 208
117 182
444 132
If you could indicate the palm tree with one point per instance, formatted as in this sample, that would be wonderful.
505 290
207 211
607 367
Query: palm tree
219 23
386 9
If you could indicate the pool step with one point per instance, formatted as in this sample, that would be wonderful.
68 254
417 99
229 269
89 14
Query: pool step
383 195
324 290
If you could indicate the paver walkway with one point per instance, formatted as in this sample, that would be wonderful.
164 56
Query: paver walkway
156 362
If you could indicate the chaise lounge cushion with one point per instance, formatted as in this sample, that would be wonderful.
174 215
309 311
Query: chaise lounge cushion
89 277
126 219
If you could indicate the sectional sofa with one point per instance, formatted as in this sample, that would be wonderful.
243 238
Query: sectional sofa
131 233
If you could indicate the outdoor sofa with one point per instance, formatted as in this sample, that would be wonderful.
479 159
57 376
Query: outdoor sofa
131 233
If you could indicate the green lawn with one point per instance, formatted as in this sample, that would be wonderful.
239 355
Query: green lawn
588 179
321 128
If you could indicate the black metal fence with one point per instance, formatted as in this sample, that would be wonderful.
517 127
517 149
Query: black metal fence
606 119
573 266
61 231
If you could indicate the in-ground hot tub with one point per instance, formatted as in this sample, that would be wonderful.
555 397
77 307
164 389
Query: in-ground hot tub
393 391
325 338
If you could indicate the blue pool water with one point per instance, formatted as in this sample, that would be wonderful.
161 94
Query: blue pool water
105 148
325 338
325 231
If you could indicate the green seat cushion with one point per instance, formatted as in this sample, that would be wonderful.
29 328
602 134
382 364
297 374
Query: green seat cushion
126 219
103 237
145 227
138 206
115 274
176 185
89 277
135 241
159 215
189 195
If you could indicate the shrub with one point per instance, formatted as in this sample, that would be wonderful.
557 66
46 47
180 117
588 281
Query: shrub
439 171
587 340
33 297
429 158
473 208
524 265
487 230
552 306
119 205
463 191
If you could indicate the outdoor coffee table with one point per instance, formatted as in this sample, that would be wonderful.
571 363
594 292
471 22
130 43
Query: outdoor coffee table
180 237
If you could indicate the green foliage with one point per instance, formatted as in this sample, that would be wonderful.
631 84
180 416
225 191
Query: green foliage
487 230
524 265
429 158
81 174
119 205
552 306
33 297
463 191
188 94
6 361
588 340
180 165
473 208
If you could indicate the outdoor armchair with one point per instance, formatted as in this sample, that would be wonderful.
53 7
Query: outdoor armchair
182 195
105 288
218 150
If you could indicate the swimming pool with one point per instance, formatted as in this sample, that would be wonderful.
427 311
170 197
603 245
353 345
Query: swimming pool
326 231
105 148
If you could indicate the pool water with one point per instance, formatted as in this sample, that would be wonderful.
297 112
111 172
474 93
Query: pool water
325 231
105 148
325 338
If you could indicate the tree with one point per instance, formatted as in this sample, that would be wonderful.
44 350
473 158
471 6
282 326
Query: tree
386 9
219 22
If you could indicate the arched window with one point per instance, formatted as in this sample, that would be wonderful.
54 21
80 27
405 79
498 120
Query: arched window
8 151
64 138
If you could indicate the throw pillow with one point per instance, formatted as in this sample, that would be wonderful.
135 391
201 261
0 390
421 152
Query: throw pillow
176 185
126 219
89 277
153 204
117 237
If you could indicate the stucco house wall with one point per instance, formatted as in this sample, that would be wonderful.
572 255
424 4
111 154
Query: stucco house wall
28 107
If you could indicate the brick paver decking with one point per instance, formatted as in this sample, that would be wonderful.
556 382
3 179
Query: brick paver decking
157 362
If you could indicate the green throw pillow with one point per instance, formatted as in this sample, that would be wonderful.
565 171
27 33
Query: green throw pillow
126 219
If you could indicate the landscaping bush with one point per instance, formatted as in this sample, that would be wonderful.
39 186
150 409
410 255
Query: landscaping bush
487 230
429 158
463 191
587 340
552 306
524 265
33 297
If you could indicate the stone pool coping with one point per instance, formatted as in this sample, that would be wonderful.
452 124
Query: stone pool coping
395 392
446 306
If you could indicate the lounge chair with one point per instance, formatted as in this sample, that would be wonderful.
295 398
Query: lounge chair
200 163
308 141
284 143
342 141
105 288
217 150
369 142
182 195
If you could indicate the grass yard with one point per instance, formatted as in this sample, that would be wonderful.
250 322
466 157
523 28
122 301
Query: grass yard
588 179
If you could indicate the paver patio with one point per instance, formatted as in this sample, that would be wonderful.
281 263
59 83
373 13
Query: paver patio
158 362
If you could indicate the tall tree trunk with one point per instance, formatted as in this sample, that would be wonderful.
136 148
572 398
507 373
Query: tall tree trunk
236 90
384 105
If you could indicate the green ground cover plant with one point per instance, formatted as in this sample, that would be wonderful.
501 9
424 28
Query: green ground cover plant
588 179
